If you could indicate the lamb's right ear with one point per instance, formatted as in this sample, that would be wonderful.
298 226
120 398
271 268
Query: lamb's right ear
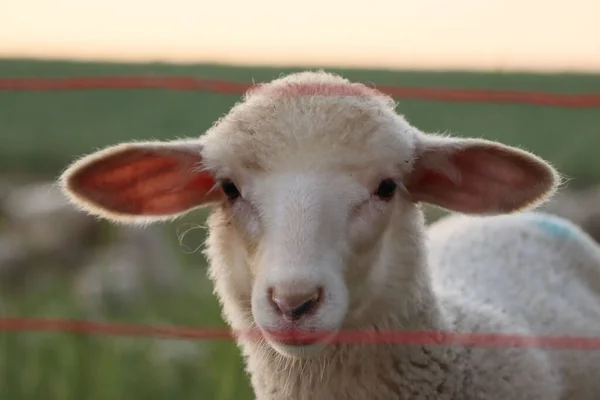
141 182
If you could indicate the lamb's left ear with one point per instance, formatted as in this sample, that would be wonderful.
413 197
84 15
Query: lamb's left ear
141 182
474 176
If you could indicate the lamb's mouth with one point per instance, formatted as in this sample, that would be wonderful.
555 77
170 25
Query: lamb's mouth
296 337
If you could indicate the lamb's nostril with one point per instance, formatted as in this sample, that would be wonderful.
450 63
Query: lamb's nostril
294 306
303 308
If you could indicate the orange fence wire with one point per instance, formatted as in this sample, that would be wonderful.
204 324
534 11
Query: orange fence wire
348 337
582 100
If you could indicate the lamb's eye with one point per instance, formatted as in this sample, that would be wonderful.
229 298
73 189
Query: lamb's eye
230 190
386 189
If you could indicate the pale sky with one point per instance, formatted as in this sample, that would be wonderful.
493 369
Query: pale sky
471 34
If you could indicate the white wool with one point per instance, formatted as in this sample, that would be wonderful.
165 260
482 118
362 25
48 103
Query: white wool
537 272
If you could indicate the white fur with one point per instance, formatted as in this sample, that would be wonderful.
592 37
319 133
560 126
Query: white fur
538 273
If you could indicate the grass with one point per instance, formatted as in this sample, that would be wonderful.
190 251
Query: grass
57 366
43 131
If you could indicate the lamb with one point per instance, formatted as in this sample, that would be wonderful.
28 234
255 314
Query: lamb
317 186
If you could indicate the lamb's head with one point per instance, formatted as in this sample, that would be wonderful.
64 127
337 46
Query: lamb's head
316 183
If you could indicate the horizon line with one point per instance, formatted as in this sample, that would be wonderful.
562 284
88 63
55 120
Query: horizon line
354 63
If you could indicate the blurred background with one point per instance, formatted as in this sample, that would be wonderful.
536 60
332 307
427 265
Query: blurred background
58 263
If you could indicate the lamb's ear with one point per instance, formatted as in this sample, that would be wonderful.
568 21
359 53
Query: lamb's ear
140 182
475 176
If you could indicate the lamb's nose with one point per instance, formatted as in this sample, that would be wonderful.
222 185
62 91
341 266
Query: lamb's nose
294 305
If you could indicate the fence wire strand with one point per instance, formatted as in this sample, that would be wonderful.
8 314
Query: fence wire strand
342 337
581 100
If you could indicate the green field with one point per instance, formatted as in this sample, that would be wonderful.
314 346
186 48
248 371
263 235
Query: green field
41 132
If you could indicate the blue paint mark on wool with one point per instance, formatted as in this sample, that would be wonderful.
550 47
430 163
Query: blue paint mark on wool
553 225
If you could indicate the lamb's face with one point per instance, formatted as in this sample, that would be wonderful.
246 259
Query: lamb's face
309 238
309 206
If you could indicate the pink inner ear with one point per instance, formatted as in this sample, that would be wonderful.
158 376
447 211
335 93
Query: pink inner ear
145 181
491 179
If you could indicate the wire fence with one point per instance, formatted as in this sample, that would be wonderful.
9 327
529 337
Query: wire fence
342 337
582 100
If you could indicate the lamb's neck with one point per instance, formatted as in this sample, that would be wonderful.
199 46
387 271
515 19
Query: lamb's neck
402 294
